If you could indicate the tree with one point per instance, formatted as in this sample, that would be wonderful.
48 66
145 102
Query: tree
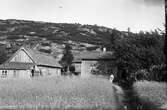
140 51
134 53
104 67
67 58
113 37
3 55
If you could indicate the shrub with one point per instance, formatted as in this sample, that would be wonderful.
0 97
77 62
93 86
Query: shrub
142 74
158 72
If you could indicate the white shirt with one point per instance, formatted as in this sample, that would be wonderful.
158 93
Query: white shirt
111 78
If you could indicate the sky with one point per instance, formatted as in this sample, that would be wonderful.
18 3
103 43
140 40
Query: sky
138 15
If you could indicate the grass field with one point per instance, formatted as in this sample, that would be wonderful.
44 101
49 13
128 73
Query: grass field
58 92
153 92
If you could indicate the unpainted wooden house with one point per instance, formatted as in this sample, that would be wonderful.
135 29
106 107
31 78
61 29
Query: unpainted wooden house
27 63
86 62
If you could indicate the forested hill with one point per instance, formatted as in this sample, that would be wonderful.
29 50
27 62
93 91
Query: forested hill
56 32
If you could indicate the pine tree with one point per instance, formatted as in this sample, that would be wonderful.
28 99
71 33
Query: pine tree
3 55
67 58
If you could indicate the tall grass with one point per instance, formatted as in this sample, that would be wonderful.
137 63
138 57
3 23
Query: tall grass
57 92
153 92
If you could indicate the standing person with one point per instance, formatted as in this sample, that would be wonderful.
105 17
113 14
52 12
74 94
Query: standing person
111 78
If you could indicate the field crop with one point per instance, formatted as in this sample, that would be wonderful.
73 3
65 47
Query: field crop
57 92
153 92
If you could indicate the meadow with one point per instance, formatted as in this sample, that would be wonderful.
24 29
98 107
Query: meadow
58 93
151 93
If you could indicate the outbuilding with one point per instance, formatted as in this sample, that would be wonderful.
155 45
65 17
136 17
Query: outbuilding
86 62
27 63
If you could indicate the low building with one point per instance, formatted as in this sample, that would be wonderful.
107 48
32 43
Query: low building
27 63
86 62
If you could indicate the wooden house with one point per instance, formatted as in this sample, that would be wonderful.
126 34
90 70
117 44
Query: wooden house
27 63
86 62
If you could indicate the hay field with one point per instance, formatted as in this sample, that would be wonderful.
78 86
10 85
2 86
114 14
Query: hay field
151 91
58 93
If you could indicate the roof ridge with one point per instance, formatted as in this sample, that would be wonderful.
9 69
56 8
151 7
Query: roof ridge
18 62
25 50
38 52
38 57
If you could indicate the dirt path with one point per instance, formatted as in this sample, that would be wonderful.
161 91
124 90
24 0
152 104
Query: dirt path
119 97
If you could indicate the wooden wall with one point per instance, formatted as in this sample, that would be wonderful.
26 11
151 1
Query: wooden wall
15 74
86 67
49 71
42 71
21 56
77 67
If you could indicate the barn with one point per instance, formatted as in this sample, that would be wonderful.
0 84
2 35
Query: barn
28 63
86 62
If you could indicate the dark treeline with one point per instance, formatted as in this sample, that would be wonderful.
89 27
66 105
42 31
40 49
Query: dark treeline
137 56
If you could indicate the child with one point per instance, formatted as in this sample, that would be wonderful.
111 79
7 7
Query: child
111 78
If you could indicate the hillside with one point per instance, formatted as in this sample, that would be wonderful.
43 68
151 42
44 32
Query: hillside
50 37
56 32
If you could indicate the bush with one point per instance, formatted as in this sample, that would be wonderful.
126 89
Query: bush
155 73
158 72
142 74
72 68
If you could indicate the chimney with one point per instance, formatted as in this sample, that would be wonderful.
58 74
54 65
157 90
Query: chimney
104 49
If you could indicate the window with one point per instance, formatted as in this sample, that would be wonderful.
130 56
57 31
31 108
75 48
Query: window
4 73
93 68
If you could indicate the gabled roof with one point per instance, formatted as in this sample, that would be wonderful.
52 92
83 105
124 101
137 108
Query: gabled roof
16 66
38 58
43 59
93 55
